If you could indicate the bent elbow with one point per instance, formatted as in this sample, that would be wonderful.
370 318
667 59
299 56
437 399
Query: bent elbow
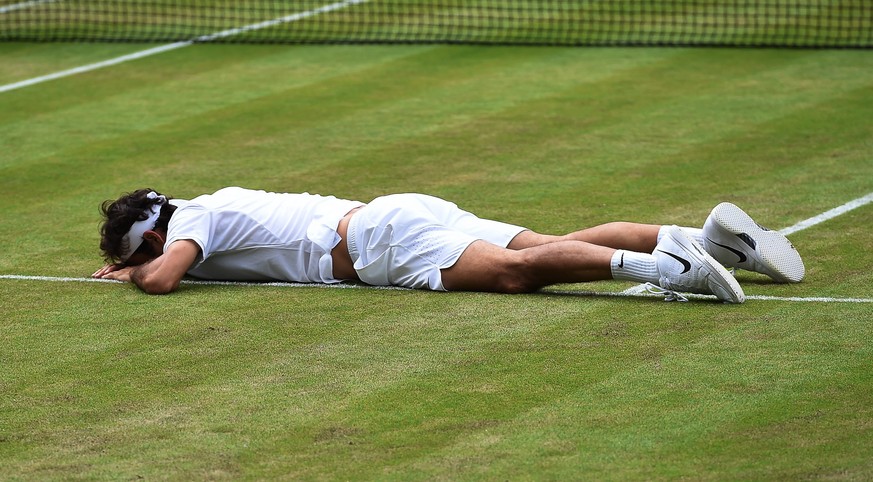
154 286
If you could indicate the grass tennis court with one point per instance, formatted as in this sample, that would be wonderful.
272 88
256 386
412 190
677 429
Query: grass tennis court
101 382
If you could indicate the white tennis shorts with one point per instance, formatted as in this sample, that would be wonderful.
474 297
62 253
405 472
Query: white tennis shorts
406 239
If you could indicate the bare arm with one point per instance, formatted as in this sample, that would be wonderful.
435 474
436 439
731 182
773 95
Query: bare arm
161 275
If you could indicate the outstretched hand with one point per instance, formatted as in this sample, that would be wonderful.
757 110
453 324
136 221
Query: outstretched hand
116 271
156 276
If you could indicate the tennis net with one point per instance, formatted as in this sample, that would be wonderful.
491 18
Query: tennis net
770 23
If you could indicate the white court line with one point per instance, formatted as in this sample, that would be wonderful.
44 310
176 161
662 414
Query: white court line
21 5
807 223
828 215
280 284
95 66
816 299
177 45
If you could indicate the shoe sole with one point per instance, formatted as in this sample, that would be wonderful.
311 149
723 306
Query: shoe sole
773 251
732 291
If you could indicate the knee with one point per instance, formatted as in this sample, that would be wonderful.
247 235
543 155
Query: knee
515 276
620 226
485 267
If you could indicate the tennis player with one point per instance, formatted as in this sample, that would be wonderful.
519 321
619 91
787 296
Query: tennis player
419 241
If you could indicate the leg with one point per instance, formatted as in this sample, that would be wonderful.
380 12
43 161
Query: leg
641 238
486 267
678 264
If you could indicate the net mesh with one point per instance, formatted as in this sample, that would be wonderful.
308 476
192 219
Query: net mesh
776 23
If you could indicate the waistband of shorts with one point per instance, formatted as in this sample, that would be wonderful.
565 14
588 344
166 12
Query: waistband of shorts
352 237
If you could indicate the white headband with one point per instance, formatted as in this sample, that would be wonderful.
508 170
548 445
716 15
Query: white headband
134 237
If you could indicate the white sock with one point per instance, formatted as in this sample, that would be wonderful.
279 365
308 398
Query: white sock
695 233
633 266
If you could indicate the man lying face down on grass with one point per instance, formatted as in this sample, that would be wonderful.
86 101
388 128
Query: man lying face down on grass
419 241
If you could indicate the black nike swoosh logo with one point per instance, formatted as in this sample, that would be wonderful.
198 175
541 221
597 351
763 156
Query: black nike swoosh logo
737 252
685 263
621 261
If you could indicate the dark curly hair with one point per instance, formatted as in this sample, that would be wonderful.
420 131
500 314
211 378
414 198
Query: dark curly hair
120 214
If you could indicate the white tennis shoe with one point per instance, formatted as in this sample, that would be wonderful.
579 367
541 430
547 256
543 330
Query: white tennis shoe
684 266
735 240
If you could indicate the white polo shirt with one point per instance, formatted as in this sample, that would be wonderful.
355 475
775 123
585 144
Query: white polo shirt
247 235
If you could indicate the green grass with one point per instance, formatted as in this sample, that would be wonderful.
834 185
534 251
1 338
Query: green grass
101 382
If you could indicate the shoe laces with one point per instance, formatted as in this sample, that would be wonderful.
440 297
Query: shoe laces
669 295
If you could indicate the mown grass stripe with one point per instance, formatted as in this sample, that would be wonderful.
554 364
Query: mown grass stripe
177 45
94 66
